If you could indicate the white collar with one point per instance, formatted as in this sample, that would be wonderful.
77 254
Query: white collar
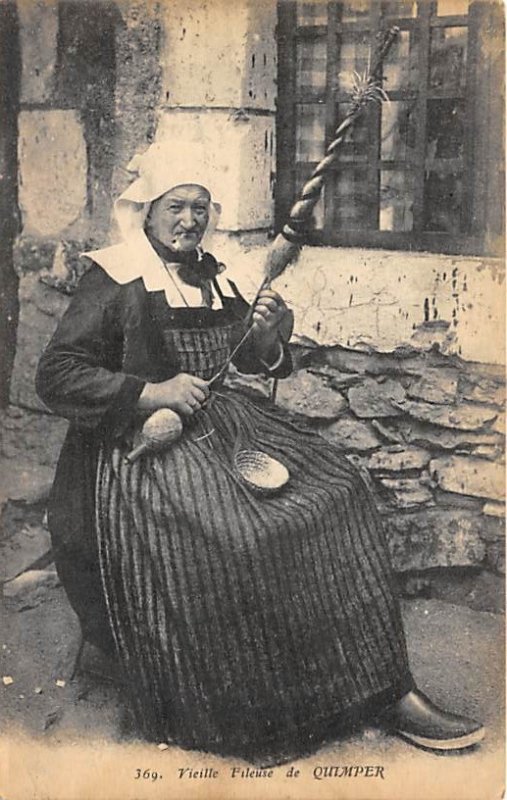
135 258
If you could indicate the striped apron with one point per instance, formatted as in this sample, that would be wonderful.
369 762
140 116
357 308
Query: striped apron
246 624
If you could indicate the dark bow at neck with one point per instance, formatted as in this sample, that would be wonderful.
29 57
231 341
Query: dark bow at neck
195 269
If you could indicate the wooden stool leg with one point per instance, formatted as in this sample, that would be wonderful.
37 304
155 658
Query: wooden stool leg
77 660
274 387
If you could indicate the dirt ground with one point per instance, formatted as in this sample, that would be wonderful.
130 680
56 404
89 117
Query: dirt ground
65 734
456 656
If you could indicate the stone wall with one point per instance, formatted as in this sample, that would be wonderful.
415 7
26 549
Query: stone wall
90 84
426 430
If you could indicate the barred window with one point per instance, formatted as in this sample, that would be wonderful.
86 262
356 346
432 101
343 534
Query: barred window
421 171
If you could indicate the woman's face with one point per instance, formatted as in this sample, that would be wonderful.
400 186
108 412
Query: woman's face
179 218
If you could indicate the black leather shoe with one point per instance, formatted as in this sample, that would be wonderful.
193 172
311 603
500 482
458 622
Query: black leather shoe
418 720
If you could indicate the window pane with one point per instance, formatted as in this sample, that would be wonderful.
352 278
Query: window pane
401 67
303 172
356 145
443 184
354 56
311 65
312 13
311 131
398 8
396 193
354 205
353 10
448 52
446 8
443 200
445 130
397 130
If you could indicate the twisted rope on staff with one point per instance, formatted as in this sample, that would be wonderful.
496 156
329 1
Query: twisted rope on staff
286 246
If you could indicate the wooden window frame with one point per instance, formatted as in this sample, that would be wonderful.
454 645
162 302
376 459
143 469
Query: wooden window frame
472 242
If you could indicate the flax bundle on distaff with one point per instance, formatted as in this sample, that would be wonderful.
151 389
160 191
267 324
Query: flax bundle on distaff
244 622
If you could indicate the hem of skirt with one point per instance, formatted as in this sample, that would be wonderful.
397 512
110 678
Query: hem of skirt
305 739
322 730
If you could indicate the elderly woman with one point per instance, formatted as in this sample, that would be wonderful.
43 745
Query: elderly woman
243 623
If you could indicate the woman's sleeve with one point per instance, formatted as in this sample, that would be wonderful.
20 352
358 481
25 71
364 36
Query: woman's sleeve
247 360
79 375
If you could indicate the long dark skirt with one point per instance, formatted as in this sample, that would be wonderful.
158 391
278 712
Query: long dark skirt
245 624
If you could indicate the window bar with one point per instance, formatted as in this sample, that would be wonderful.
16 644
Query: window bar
373 120
424 10
286 112
332 66
472 91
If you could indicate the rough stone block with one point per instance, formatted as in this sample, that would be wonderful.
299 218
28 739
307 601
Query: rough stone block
469 476
350 434
40 310
304 393
242 163
30 589
24 482
337 379
499 424
137 91
205 66
33 255
407 492
495 556
376 399
489 451
453 500
359 362
481 591
52 169
431 436
481 389
38 31
492 528
434 386
435 538
21 550
31 436
398 459
494 510
388 433
466 417
403 360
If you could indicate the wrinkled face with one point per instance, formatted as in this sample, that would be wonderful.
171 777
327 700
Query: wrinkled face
179 218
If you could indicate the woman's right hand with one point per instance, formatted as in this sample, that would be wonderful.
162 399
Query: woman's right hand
184 394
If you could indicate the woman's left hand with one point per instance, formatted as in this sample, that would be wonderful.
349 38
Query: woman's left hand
271 320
